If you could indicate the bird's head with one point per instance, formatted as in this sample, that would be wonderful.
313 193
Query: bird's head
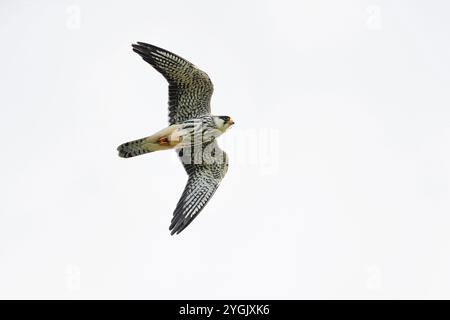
223 122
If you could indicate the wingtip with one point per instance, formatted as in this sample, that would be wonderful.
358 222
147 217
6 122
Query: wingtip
143 45
136 49
144 52
173 231
177 226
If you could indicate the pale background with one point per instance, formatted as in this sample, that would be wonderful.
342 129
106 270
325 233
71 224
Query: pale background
338 184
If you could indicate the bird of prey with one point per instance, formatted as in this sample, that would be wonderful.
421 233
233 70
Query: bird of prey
192 132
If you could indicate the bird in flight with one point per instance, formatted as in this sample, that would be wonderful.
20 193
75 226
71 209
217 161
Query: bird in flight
192 132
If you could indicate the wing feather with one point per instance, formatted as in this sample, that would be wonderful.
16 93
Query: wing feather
190 89
203 181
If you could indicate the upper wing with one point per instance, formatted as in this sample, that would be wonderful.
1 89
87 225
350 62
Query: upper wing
203 181
190 89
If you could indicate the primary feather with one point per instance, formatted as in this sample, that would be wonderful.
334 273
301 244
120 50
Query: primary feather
190 89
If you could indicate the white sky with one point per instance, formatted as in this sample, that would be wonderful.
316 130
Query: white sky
338 184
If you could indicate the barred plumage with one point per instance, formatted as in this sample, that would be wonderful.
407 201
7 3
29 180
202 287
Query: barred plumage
192 131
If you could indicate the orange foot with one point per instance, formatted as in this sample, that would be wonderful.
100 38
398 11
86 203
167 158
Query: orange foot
163 141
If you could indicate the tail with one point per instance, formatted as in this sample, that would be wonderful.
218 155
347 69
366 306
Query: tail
162 140
137 147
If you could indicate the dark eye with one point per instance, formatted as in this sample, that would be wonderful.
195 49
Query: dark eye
225 118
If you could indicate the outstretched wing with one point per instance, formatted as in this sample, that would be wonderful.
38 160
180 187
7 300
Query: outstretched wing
190 89
203 181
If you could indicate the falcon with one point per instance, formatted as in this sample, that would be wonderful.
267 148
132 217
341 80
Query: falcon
192 132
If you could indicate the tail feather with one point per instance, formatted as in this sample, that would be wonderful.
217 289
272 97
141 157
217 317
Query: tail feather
162 140
138 147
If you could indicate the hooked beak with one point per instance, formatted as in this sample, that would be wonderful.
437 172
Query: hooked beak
231 122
